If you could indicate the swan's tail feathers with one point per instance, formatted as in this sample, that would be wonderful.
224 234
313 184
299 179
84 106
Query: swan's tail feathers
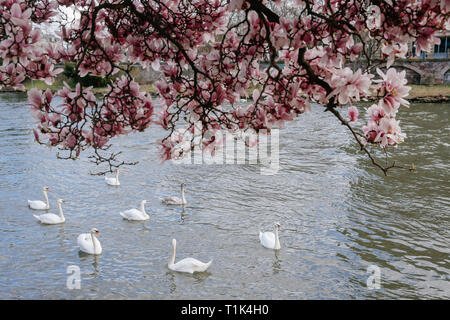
260 237
123 214
208 264
37 217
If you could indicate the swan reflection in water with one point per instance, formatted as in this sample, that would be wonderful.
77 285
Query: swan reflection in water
276 265
198 277
182 215
86 257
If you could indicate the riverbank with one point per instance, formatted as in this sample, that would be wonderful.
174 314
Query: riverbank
419 93
57 85
439 93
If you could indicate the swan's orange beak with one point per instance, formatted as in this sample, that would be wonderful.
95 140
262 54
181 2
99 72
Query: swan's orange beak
98 233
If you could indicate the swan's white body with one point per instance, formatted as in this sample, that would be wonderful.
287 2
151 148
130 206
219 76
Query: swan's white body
175 200
135 214
51 218
189 265
113 181
269 239
89 243
38 204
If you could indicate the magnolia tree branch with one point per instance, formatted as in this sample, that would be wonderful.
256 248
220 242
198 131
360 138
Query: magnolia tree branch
210 54
331 107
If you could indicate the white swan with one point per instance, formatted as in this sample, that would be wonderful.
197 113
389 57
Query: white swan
269 239
135 214
189 265
113 181
38 204
89 243
51 218
175 200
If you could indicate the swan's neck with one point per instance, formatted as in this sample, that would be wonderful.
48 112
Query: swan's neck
117 176
46 198
143 207
60 211
93 242
182 195
277 240
172 259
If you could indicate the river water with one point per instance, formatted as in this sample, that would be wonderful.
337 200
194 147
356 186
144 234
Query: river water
339 216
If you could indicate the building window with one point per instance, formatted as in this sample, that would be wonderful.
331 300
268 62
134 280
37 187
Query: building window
440 50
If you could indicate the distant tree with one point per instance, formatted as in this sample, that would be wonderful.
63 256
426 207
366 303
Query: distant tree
88 80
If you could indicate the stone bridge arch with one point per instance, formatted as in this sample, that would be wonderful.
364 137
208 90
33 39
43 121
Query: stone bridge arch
447 77
413 73
430 71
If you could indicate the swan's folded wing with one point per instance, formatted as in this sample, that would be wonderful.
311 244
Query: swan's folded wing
191 262
267 238
190 265
84 241
130 214
37 204
49 218
111 181
171 200
82 238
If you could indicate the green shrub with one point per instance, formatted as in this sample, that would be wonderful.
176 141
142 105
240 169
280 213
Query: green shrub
88 80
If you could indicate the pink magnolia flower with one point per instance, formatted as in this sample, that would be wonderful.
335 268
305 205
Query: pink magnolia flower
353 114
382 128
376 112
390 132
35 97
349 86
394 50
393 89
426 39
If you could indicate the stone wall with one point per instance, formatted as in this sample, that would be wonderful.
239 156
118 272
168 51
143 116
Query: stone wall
428 72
